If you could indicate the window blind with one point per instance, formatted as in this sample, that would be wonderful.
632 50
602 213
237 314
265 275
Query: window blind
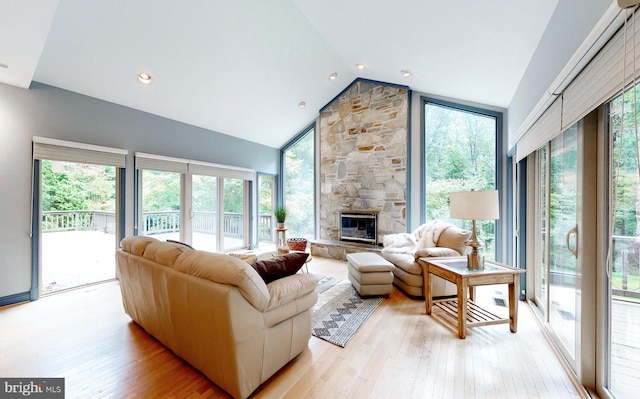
186 166
69 151
161 163
614 66
211 169
602 78
543 130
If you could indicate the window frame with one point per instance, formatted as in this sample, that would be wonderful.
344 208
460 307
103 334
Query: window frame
280 181
499 178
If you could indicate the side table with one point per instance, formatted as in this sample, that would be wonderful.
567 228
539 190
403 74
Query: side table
466 312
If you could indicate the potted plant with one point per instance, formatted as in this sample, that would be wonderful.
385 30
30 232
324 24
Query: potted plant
280 214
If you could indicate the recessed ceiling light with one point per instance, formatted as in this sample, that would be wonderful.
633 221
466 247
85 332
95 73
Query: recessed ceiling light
360 66
145 78
333 76
3 65
302 104
405 73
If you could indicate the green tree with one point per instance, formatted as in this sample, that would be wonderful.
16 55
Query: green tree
460 155
299 187
74 186
161 191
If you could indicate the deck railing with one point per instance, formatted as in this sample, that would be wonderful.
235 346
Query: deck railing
626 266
154 222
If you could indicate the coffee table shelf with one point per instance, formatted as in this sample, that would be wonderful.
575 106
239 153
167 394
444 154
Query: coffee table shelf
476 316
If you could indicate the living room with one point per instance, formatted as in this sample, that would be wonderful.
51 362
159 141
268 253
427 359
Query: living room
46 109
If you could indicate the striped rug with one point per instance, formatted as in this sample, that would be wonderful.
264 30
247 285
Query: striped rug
340 311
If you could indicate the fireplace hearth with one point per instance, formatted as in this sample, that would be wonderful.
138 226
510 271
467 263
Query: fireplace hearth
359 227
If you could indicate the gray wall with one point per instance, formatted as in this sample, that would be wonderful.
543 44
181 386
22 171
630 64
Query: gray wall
51 112
570 24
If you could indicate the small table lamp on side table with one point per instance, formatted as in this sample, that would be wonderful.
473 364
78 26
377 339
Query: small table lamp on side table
474 205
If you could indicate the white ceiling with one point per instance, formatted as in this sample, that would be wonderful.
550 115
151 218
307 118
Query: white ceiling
241 67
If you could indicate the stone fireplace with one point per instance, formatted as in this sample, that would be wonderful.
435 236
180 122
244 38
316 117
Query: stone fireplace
363 154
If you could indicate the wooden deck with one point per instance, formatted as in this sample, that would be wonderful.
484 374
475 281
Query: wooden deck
75 258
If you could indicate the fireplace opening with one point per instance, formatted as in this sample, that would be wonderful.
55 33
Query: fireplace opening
359 227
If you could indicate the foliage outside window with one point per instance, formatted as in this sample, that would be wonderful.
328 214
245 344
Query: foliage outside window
265 209
299 188
70 186
460 155
625 193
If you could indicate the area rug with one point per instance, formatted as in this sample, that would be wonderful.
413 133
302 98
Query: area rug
340 311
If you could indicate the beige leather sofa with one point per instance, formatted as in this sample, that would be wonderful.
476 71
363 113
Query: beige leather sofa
432 239
215 311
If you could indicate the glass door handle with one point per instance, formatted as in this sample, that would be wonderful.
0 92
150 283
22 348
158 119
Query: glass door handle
573 231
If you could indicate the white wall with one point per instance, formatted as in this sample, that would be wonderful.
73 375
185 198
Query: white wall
50 112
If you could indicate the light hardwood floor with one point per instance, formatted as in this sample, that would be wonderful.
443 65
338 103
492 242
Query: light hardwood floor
85 337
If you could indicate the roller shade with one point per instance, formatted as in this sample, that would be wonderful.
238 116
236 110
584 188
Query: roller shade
161 163
543 130
186 166
69 151
211 169
614 66
602 78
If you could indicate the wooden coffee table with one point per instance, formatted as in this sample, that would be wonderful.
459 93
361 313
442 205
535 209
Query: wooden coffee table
455 270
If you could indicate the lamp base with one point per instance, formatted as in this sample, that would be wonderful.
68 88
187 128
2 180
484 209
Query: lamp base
475 261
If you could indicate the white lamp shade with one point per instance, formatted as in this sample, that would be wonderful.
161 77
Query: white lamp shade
474 205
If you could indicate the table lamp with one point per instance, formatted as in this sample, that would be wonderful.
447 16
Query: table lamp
474 205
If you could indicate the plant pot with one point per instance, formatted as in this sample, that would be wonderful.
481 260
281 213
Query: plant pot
297 244
280 226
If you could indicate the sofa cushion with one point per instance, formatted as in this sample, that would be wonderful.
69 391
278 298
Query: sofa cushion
281 266
405 262
455 238
436 252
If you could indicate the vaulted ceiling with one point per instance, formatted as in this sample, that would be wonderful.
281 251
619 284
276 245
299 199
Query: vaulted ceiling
241 67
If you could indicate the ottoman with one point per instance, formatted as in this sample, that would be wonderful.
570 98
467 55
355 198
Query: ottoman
370 274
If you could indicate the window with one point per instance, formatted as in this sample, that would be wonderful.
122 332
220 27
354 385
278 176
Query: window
161 214
78 205
266 198
299 185
204 223
623 249
201 204
460 154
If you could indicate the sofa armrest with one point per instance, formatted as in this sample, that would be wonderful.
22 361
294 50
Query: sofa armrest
290 288
290 296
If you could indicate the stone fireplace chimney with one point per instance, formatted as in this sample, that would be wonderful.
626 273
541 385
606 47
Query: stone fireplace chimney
363 153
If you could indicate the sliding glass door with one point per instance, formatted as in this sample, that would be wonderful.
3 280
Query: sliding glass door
563 230
201 204
204 213
78 224
556 278
161 216
623 254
